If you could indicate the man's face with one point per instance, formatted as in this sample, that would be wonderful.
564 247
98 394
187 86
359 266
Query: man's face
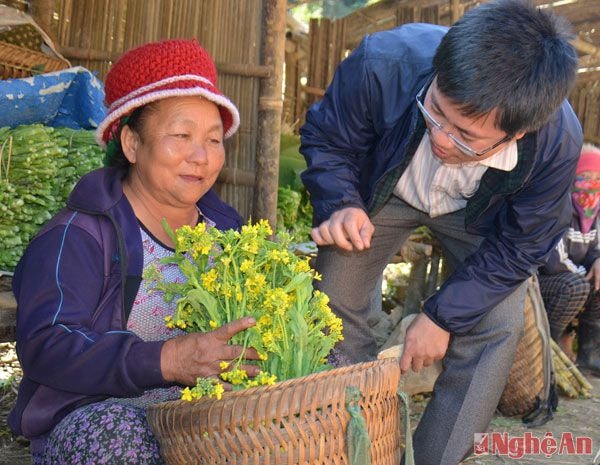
453 128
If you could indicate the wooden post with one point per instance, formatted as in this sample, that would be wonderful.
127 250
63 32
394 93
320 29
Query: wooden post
42 11
270 105
455 12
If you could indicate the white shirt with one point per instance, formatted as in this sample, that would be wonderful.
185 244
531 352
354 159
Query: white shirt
438 188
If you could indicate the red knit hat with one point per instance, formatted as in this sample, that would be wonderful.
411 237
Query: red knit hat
154 71
589 160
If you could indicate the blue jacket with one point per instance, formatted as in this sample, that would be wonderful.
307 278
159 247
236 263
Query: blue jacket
75 286
361 136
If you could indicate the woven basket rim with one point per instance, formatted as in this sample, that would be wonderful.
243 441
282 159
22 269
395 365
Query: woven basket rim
281 385
25 59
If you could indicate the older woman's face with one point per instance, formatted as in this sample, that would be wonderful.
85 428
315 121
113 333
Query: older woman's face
179 154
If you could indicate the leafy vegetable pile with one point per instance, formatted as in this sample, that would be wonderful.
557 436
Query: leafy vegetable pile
294 211
39 165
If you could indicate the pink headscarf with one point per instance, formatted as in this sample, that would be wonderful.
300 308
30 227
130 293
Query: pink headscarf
586 192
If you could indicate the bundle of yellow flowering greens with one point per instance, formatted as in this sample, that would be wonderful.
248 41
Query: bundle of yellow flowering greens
232 274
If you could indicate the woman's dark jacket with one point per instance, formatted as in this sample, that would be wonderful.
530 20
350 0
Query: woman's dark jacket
75 286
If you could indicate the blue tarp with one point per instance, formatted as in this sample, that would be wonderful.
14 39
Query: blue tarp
72 98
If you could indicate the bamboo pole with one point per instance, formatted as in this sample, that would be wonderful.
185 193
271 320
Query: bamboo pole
455 12
235 69
42 12
237 177
270 105
313 90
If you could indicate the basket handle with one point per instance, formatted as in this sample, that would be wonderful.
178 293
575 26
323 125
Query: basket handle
409 454
357 437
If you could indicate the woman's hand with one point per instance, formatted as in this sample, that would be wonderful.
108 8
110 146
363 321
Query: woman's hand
593 275
185 358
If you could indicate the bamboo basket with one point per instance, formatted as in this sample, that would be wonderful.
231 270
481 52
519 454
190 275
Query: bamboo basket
525 385
20 62
301 421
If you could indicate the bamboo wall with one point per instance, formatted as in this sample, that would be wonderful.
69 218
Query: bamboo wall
331 41
93 33
585 100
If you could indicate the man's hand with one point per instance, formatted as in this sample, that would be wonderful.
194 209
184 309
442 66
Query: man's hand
425 342
594 274
349 229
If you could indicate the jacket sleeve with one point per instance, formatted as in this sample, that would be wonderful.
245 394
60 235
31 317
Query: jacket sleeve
526 229
560 262
58 286
337 133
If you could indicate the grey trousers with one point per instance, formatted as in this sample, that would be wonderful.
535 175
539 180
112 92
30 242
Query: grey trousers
476 365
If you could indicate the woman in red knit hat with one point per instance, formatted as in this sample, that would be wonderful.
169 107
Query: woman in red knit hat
91 337
571 280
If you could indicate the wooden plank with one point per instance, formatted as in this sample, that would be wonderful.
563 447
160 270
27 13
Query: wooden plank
8 316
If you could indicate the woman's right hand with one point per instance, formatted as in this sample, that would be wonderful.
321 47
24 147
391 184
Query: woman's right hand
198 355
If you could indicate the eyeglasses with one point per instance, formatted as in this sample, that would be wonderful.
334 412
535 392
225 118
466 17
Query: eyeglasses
464 148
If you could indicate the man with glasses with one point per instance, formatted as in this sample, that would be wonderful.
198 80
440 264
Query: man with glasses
467 131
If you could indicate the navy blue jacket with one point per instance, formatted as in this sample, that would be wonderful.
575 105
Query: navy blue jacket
75 286
361 136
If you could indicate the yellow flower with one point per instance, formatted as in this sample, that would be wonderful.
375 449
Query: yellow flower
186 394
265 379
218 391
251 247
246 266
264 227
264 320
256 284
235 377
267 338
224 365
277 300
209 280
213 324
302 266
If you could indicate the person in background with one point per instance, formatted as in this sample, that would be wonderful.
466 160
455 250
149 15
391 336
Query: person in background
570 281
91 337
467 131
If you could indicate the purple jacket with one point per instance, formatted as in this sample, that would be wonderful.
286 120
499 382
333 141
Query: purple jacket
75 286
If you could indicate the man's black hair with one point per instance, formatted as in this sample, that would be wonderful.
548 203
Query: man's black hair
510 56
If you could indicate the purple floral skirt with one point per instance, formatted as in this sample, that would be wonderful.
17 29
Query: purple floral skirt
102 433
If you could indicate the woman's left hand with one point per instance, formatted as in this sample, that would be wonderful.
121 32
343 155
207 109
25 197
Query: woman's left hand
199 355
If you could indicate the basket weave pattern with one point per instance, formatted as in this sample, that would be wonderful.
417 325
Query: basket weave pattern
298 421
526 379
20 62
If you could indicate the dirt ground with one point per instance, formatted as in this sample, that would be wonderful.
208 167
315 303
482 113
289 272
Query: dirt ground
579 417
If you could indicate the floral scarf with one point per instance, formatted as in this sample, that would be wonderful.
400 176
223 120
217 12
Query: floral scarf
586 200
